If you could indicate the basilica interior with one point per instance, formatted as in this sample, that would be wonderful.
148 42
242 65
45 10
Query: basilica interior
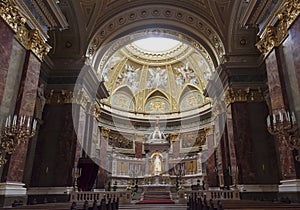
149 98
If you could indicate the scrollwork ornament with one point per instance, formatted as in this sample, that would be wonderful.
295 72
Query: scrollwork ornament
105 132
30 39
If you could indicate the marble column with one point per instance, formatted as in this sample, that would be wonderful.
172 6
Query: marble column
25 106
138 148
147 165
211 162
231 148
278 102
103 172
6 45
13 171
166 162
199 163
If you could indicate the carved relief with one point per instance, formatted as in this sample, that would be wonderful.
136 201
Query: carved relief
30 39
193 139
119 141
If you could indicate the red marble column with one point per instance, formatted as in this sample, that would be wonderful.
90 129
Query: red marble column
14 169
103 168
278 99
211 162
295 43
6 43
138 149
243 143
176 148
231 148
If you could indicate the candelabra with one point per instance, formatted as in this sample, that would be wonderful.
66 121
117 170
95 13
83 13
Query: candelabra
17 129
76 173
284 125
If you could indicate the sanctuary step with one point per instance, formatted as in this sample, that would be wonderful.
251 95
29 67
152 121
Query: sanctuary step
156 195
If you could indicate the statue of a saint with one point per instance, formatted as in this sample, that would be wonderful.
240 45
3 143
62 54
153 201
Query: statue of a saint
157 165
40 102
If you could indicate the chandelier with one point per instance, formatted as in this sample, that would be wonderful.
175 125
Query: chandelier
284 125
17 130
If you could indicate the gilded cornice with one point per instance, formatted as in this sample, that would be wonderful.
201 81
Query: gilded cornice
275 35
29 38
243 95
68 97
59 97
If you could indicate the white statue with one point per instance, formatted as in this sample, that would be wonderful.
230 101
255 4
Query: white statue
40 102
157 165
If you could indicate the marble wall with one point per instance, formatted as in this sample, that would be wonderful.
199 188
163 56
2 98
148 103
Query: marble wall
279 100
211 162
6 37
14 170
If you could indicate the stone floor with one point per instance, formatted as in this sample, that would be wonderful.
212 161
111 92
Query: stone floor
227 205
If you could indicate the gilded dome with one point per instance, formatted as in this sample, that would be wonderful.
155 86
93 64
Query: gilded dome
156 75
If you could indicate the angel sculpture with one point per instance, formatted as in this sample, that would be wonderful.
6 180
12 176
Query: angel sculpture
158 78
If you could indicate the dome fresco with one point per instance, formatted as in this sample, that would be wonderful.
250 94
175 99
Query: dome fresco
142 78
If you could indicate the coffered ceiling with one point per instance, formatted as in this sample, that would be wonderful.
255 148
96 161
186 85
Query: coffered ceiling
216 24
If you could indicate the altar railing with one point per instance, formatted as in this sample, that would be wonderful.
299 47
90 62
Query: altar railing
124 196
209 194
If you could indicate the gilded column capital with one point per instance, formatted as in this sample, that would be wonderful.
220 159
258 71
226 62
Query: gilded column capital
30 39
243 95
174 137
275 35
208 130
96 110
59 97
105 132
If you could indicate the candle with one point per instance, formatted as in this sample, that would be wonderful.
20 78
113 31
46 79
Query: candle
274 119
28 122
293 117
287 116
15 120
6 122
9 121
34 124
280 117
268 121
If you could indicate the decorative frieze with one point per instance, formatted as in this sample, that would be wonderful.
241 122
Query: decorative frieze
243 95
30 39
275 35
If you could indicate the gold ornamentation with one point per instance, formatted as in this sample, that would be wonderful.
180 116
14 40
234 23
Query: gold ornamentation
243 95
30 39
17 130
96 110
105 132
59 97
284 125
208 131
174 137
275 35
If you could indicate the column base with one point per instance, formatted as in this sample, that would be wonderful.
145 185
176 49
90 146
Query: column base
292 185
289 189
11 192
258 192
38 195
